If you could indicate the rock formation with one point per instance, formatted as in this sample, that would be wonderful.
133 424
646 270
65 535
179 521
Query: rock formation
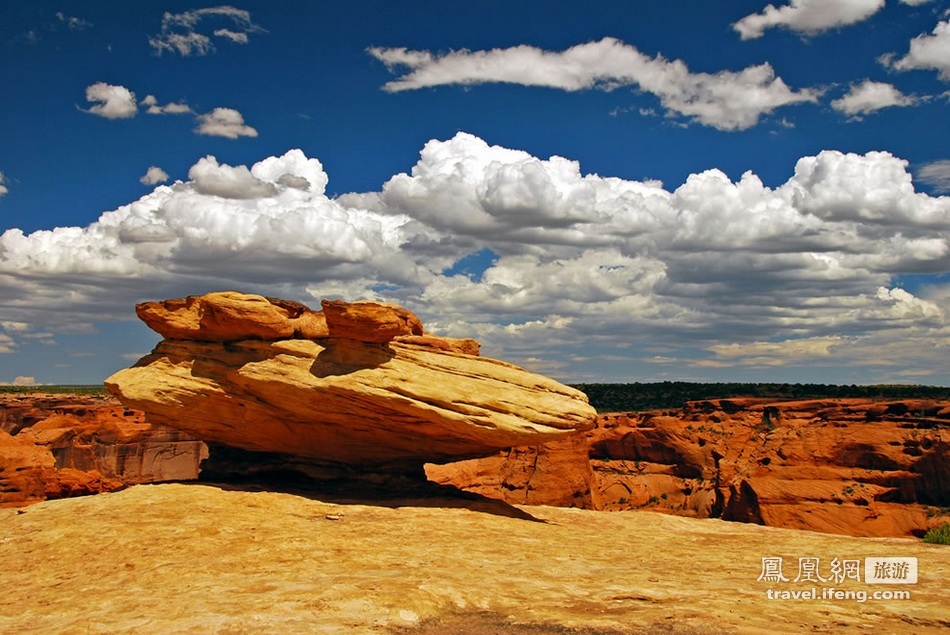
55 446
354 386
181 559
853 467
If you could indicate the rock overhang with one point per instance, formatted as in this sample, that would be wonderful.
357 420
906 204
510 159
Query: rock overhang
357 384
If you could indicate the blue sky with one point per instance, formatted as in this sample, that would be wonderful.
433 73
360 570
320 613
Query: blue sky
600 191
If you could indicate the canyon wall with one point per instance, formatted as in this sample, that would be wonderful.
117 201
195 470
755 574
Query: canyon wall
55 446
845 466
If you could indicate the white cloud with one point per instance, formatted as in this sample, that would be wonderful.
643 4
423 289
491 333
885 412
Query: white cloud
3 188
926 52
111 102
782 353
915 3
870 96
179 32
153 107
728 100
21 381
214 179
236 37
721 273
224 122
153 176
807 16
936 174
73 23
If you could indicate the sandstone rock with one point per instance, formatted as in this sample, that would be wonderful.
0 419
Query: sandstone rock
24 471
228 316
845 466
182 559
466 346
28 474
369 321
68 445
377 393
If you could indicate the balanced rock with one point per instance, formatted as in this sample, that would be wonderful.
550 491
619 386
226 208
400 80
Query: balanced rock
372 391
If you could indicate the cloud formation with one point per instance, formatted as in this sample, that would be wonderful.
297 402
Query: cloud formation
153 176
224 122
936 174
180 32
927 52
727 100
720 273
3 188
870 96
73 23
111 102
153 108
809 17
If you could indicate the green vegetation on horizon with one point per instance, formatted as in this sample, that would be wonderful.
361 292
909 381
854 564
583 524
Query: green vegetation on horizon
63 389
655 395
673 394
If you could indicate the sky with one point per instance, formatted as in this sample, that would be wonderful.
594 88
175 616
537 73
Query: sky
606 191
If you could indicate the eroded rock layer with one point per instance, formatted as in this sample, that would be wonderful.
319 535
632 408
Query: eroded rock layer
855 467
369 389
56 446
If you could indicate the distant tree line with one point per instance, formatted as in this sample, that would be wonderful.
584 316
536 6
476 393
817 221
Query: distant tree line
673 394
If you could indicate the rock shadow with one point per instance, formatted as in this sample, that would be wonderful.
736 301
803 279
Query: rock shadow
374 489
342 357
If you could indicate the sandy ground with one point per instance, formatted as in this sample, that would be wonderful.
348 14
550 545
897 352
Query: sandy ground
189 558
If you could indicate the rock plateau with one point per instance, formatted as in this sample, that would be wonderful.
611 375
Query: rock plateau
191 558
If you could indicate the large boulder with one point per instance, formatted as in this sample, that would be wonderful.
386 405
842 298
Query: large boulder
372 392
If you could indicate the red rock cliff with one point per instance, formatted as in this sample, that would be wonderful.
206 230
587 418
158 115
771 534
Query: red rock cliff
54 446
853 467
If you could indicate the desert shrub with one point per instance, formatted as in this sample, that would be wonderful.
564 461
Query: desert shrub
938 535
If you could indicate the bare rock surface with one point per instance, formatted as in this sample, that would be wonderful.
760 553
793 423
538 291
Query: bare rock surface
844 466
70 445
375 392
179 558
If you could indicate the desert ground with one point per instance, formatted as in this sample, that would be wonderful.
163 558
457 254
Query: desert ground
204 558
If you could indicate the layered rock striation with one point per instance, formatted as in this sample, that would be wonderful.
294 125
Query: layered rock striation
356 385
56 446
854 467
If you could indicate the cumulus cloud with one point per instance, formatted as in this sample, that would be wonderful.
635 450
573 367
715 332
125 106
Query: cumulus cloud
577 266
21 381
111 102
224 122
807 16
936 174
73 23
153 176
870 96
153 108
180 31
3 188
926 52
727 100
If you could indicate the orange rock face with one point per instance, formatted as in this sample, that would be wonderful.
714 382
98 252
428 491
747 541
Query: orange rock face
852 467
229 316
375 393
369 321
56 446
